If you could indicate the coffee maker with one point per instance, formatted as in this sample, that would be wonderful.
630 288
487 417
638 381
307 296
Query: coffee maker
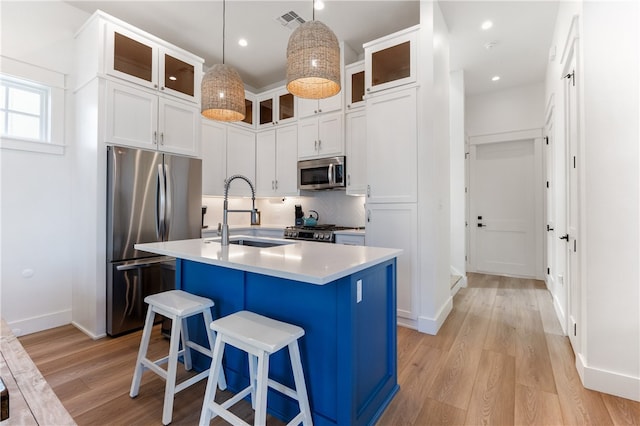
299 215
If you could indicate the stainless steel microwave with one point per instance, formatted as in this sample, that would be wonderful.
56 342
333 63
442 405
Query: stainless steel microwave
323 173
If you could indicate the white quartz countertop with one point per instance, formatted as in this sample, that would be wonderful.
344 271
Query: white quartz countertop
311 262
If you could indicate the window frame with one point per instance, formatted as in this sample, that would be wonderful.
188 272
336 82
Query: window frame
44 111
54 142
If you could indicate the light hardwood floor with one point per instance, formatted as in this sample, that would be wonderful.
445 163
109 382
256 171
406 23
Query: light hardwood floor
499 359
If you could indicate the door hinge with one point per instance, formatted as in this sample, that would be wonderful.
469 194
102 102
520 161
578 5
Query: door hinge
465 190
466 155
465 257
546 140
575 329
547 184
572 76
574 161
548 271
574 246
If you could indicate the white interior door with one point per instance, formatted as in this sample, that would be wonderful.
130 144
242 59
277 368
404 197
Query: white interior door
573 278
503 208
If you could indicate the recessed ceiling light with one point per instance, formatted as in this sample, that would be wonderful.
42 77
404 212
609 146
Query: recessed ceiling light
318 4
495 78
242 42
486 25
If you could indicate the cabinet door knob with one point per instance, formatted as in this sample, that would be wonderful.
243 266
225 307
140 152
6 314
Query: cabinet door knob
348 179
315 111
368 215
161 138
349 106
162 88
368 191
155 137
320 110
155 86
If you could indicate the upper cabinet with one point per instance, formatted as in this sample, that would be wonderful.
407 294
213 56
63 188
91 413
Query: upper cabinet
391 61
310 107
276 107
354 87
249 120
132 56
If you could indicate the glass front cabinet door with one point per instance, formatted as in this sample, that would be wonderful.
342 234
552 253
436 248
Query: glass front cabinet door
391 61
276 108
354 78
133 57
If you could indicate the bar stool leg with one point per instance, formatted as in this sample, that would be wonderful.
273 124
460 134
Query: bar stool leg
261 391
142 353
172 367
253 367
301 388
214 378
186 355
211 335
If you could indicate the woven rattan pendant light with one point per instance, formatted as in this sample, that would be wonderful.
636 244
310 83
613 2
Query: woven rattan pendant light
313 61
222 89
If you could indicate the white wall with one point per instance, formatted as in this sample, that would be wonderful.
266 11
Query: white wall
36 187
519 108
433 173
609 238
610 229
457 157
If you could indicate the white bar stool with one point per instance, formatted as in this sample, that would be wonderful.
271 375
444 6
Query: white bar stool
260 337
177 305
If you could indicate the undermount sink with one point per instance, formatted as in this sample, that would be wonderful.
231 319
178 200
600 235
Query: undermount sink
253 241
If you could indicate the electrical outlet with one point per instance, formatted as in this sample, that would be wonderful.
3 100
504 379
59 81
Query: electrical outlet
358 291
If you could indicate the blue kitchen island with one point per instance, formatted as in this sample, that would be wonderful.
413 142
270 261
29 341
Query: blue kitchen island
343 296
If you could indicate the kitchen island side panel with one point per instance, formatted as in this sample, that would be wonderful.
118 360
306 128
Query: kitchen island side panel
349 348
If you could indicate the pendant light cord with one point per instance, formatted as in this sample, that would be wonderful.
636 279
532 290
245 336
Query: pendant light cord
313 10
224 19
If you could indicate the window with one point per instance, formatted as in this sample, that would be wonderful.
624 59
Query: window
24 109
32 108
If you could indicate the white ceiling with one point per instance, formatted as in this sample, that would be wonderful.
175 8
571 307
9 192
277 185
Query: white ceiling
523 31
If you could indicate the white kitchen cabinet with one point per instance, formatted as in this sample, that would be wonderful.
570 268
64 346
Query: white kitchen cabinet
214 157
356 150
392 139
350 239
277 161
354 85
311 107
276 107
320 136
396 226
241 159
391 61
135 56
139 118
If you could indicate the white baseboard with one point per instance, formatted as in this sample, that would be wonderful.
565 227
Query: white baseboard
407 323
462 283
42 322
87 332
608 381
560 314
432 325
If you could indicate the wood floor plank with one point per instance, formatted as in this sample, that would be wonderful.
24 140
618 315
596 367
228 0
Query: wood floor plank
550 322
492 400
580 406
454 381
533 365
501 335
415 379
535 407
438 413
622 411
451 327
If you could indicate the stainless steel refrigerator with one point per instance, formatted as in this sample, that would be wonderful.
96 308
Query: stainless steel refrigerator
151 197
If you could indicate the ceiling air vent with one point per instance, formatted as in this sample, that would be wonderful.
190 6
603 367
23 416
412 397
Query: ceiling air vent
290 20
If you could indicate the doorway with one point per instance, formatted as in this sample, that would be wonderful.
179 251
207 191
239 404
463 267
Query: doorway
506 207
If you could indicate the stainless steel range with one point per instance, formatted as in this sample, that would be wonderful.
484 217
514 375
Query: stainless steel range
321 233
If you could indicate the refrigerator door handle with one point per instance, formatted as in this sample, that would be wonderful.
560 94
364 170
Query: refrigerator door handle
160 203
168 202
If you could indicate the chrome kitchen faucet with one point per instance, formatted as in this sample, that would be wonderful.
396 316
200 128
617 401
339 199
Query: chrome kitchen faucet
224 240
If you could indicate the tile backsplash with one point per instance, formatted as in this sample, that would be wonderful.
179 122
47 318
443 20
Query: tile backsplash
332 206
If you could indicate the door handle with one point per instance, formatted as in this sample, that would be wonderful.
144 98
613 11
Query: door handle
481 225
565 237
549 228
